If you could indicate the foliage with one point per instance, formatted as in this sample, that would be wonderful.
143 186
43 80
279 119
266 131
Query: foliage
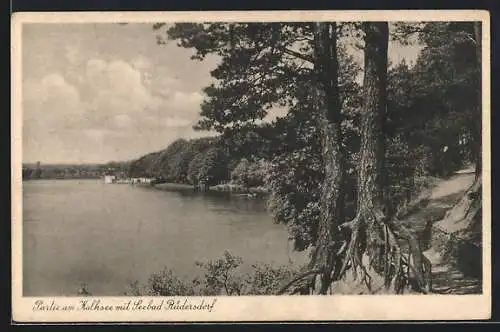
267 279
214 168
221 276
250 174
432 105
165 283
295 180
185 161
297 173
256 72
174 161
194 167
144 166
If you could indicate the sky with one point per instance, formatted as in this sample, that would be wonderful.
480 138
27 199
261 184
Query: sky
94 93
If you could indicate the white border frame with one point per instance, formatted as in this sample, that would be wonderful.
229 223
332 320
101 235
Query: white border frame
255 308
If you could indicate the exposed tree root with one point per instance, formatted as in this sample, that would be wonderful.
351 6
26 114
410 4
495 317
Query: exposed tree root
399 270
381 243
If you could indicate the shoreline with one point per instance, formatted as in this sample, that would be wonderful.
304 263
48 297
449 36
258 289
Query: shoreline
168 186
253 192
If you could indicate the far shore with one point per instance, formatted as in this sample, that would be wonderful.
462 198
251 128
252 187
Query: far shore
229 188
233 189
170 186
61 178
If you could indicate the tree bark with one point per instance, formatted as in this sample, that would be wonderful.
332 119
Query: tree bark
374 247
372 178
326 262
332 193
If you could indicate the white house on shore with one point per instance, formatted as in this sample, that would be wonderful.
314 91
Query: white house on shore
109 179
114 179
145 180
140 180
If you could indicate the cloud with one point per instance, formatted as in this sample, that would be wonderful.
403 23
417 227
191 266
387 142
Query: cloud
164 79
71 54
100 107
97 92
112 96
52 101
53 113
176 122
116 87
95 134
182 103
122 121
141 63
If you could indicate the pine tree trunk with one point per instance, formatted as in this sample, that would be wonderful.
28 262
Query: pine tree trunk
372 178
332 193
325 262
374 260
365 261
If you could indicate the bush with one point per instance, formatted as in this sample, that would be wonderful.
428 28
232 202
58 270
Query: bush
295 181
250 174
165 283
220 277
267 279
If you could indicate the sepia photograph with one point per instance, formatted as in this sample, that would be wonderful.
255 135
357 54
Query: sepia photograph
207 167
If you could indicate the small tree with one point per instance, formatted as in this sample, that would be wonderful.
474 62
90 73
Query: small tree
220 277
266 279
239 175
213 168
165 283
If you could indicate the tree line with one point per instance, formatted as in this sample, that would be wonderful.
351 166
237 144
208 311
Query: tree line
207 161
346 153
72 171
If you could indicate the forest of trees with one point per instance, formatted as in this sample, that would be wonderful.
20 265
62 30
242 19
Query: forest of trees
203 160
72 171
348 154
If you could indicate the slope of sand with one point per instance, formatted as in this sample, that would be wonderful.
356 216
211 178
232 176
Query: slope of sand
446 278
444 195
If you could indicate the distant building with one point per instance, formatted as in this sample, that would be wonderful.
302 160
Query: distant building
144 180
109 179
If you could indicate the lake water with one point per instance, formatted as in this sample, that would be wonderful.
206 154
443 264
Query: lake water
108 236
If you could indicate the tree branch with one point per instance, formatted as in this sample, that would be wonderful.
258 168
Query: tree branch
297 278
471 39
297 54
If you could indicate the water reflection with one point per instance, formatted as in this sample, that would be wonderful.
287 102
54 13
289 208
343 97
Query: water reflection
108 236
220 200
